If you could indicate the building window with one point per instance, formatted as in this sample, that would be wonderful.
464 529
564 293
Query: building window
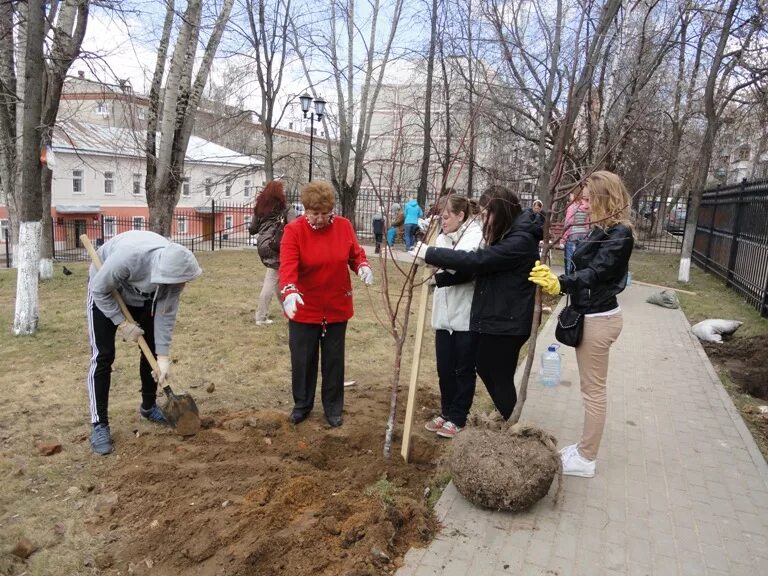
109 226
181 224
744 154
247 189
208 187
109 183
228 221
138 222
247 222
228 191
141 113
185 186
102 108
77 181
4 230
136 184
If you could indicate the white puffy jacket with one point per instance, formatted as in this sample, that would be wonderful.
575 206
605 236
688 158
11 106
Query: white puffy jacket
451 304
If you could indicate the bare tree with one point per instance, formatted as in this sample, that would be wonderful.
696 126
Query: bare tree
30 201
357 79
732 71
180 100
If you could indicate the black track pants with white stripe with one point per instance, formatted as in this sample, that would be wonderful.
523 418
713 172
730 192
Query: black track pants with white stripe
101 333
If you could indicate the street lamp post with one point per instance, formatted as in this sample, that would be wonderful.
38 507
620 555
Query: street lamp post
306 100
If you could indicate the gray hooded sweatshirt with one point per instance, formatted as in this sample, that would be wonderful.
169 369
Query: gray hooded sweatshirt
143 266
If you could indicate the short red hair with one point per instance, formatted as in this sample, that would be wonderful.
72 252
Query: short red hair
271 199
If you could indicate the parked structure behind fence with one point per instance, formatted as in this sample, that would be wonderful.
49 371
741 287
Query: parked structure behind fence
732 239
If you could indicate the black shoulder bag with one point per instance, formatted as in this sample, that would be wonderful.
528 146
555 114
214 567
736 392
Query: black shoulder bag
570 325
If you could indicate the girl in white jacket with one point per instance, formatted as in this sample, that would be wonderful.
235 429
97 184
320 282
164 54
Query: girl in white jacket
455 345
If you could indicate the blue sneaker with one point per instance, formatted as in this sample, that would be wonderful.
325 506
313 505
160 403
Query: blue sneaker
154 414
101 439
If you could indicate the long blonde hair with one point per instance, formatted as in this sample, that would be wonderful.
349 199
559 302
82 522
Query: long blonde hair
609 201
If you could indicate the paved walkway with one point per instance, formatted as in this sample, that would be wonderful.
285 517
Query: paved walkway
681 488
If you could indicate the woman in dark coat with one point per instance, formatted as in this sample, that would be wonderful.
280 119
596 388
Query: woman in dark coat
502 303
270 215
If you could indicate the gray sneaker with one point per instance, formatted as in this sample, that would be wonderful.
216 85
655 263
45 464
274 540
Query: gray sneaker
101 439
154 414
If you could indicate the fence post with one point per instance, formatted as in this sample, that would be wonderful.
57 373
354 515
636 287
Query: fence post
711 228
8 248
53 239
213 224
736 230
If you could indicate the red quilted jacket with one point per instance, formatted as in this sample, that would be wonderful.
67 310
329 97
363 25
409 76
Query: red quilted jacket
316 263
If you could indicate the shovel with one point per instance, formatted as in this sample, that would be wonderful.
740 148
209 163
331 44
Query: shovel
180 410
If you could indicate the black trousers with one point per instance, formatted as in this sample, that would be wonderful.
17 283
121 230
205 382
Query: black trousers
101 333
496 362
307 343
455 353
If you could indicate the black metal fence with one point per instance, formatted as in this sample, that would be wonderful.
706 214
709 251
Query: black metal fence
732 239
659 223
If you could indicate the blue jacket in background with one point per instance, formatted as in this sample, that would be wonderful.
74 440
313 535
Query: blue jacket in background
413 212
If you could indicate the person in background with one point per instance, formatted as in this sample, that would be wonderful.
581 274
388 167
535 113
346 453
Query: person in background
316 252
600 265
502 302
576 228
378 227
455 344
271 213
395 224
535 212
150 273
412 213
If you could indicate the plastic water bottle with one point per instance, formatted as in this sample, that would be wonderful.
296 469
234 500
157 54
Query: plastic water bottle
550 366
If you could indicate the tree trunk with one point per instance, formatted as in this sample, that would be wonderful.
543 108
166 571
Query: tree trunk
426 147
31 208
46 231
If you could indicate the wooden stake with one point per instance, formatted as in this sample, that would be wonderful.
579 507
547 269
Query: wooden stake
664 287
420 320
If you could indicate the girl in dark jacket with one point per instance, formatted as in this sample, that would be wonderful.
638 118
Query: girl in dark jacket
270 215
502 303
599 272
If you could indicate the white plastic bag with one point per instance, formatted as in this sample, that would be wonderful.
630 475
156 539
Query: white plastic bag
711 330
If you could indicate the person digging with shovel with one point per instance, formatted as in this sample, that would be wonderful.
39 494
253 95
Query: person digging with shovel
149 272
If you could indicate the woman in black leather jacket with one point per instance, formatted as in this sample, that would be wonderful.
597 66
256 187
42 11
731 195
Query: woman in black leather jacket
600 265
502 302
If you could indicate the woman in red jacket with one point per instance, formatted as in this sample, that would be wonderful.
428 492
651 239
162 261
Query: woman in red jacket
317 298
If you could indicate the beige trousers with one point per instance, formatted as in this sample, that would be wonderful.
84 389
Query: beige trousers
268 289
592 357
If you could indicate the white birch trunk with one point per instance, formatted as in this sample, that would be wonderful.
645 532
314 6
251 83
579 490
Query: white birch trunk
26 316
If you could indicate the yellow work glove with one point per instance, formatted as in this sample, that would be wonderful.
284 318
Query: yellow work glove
541 274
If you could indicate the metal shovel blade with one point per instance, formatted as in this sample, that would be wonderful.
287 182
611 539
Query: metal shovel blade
181 412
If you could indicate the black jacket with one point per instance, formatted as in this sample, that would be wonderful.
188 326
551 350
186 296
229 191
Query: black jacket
601 262
502 303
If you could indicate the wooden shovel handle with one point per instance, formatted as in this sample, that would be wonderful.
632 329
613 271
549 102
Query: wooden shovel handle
120 302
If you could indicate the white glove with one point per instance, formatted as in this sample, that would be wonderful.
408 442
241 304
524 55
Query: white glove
130 331
290 303
366 275
164 370
419 252
424 224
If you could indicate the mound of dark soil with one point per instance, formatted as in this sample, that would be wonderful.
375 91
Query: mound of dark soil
253 494
746 360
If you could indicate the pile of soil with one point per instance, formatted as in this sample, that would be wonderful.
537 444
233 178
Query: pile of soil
746 361
253 494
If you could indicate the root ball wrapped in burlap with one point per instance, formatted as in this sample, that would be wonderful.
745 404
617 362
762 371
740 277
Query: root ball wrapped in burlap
504 468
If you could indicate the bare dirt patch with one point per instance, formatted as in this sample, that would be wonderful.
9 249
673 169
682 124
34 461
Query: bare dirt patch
746 360
253 494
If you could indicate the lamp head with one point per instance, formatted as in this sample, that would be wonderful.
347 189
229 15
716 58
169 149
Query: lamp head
319 107
305 100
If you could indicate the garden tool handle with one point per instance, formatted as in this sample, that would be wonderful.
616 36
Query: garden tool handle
120 302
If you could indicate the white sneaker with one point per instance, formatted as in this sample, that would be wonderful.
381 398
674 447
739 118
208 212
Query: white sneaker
568 449
449 430
264 322
576 465
435 424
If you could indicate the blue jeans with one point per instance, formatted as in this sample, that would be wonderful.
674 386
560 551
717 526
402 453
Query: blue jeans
570 248
410 232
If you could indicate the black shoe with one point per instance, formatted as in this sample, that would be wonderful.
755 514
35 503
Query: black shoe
297 417
334 421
